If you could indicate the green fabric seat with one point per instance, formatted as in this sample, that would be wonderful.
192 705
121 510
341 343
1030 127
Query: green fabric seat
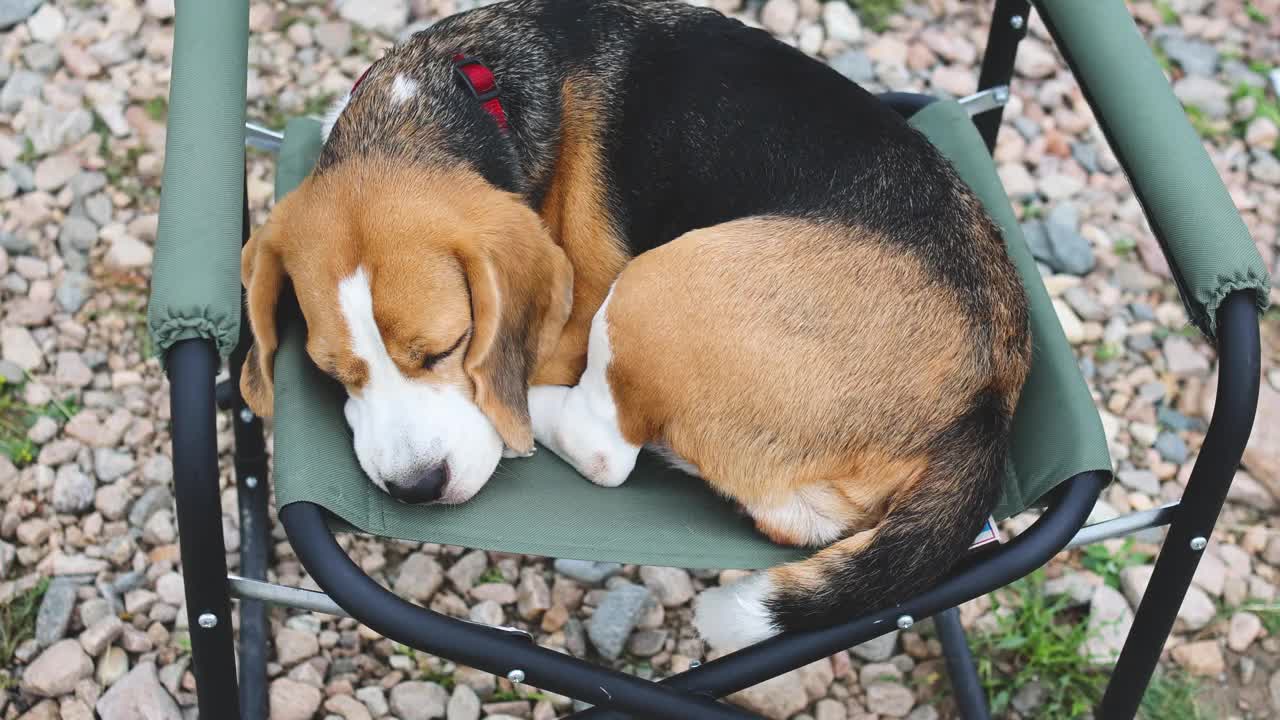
541 506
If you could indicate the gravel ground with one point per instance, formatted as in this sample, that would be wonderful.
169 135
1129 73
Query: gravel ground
86 485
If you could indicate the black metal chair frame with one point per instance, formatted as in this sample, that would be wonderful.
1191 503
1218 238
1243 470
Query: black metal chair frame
195 398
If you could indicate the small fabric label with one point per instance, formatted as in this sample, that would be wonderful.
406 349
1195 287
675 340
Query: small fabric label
987 536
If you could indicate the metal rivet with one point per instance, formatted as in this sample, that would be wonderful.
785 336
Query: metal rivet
246 415
1198 543
694 663
251 481
1001 94
207 620
516 676
905 622
1016 22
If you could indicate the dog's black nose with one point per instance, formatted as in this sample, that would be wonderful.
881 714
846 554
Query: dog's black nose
426 487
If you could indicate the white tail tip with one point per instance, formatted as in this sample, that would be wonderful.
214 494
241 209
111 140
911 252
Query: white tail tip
731 617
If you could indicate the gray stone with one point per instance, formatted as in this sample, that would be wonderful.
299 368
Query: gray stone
616 617
294 646
333 37
671 586
57 670
1182 358
1108 625
21 85
376 700
15 244
23 176
157 470
41 57
1086 154
416 700
1206 94
99 209
467 569
890 699
533 597
52 129
55 612
72 490
155 499
463 705
777 698
1174 420
855 65
382 16
1144 481
294 700
1264 167
647 643
1069 251
70 370
1029 698
77 235
86 183
586 571
73 291
98 636
1171 448
1193 56
420 577
1085 303
1076 586
877 649
112 666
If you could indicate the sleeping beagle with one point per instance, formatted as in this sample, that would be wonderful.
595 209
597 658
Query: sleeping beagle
608 225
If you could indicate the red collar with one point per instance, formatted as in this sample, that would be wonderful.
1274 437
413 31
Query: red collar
479 81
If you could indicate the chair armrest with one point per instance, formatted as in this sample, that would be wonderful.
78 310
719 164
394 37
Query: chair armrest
1208 247
195 285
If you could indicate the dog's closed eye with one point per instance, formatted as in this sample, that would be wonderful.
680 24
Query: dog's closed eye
431 360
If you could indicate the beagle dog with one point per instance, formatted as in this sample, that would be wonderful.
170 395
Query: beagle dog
609 225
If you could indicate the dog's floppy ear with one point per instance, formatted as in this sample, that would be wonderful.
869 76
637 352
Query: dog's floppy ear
262 272
521 287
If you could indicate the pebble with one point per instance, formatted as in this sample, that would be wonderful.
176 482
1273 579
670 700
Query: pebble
1171 447
139 694
1203 658
72 491
293 700
877 649
420 577
586 571
382 16
780 16
1108 624
464 704
418 700
841 22
671 586
615 618
56 671
54 614
889 699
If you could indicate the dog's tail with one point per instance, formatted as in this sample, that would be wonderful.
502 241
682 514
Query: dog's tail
925 531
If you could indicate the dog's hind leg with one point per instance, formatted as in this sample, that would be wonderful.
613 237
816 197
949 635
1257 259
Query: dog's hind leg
580 423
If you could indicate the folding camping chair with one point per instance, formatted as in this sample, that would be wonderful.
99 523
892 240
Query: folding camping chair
538 506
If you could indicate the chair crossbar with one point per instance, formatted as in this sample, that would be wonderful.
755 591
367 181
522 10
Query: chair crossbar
262 138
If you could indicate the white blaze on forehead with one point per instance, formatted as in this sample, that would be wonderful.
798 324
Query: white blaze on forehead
403 88
405 427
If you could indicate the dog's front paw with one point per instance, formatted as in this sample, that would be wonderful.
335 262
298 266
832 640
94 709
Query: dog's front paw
509 453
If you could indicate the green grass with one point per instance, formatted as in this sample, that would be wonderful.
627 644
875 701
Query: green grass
1267 107
1167 13
28 154
17 417
1205 126
18 620
1124 246
1255 14
1171 696
492 575
318 105
1038 640
157 108
1107 352
1108 564
875 14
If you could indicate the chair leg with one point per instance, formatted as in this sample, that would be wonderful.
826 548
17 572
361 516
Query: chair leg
192 365
255 534
1239 376
971 699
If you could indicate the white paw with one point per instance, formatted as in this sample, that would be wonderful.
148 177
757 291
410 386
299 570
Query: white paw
509 453
546 411
731 617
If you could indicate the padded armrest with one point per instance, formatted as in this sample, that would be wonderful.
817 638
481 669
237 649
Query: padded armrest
1207 245
195 284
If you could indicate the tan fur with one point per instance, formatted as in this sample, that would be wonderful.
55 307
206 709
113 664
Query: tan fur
577 214
448 256
778 355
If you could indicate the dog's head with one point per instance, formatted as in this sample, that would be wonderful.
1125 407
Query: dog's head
431 296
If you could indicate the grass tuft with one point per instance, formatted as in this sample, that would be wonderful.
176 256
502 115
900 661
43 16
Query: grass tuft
18 620
875 14
1171 695
1108 564
1038 640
